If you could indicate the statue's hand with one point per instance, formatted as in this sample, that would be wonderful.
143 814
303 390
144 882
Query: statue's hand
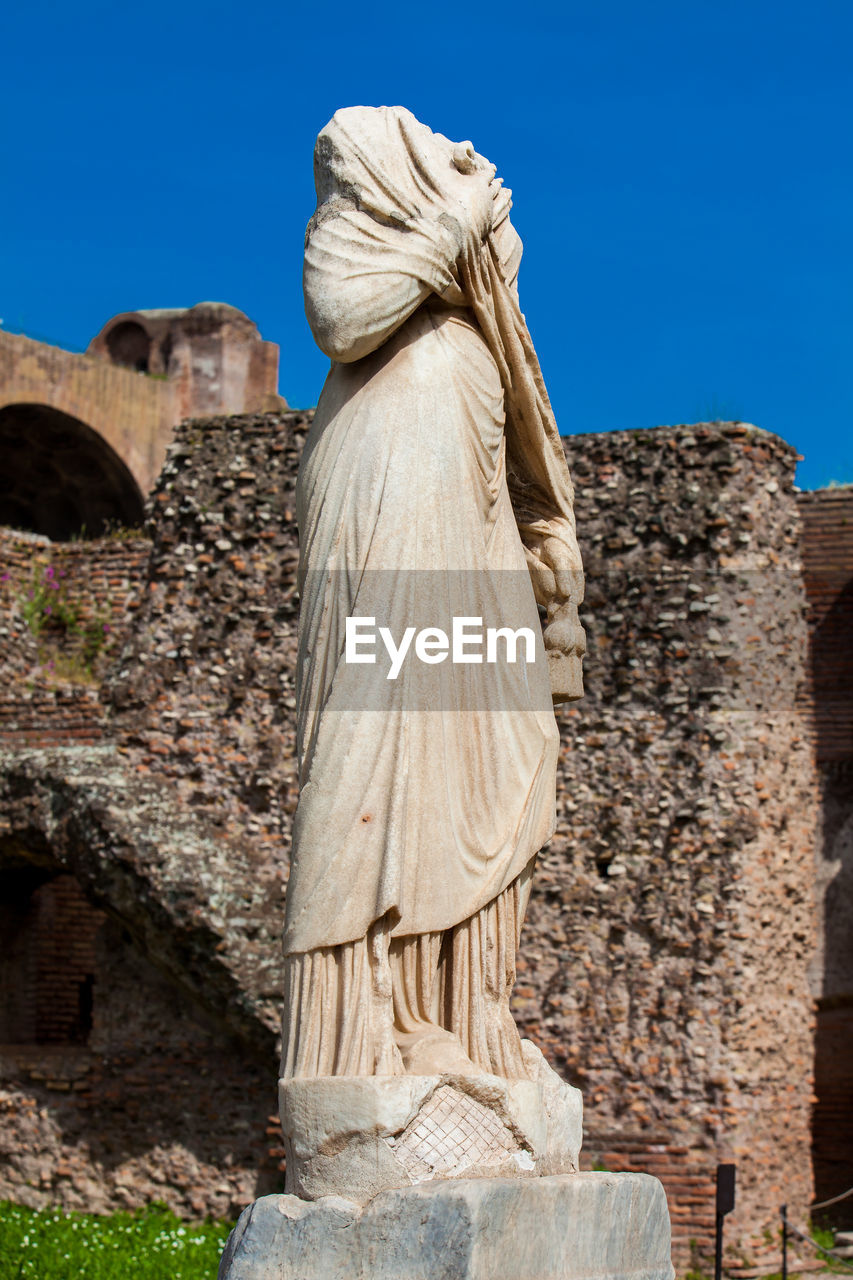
558 586
556 572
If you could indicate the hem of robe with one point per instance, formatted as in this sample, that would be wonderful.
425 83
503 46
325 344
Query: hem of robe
359 1008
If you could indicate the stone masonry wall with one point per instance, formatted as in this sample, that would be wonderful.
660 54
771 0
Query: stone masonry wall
203 689
175 843
827 517
671 922
156 1104
50 668
48 962
663 962
146 1098
670 926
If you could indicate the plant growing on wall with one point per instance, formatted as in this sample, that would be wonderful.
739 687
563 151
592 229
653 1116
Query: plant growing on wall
46 605
69 642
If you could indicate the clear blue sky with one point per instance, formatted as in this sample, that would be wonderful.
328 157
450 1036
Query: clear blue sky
681 169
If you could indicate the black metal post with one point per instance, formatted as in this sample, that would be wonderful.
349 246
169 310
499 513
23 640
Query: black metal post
718 1249
725 1204
784 1213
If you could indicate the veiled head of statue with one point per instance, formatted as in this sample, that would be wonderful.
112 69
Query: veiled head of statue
386 160
386 163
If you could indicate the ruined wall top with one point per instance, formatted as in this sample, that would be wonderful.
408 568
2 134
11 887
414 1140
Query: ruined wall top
212 353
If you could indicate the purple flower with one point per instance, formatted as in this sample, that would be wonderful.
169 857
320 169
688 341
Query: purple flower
48 573
106 627
48 609
5 577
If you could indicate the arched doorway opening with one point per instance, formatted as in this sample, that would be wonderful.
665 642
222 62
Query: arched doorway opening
60 478
48 960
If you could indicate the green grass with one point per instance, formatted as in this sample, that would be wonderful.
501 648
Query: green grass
821 1235
826 1237
151 1244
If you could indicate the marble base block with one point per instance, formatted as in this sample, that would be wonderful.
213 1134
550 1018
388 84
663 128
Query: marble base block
356 1136
583 1226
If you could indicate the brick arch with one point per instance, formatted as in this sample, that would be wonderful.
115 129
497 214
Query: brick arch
121 837
133 414
60 477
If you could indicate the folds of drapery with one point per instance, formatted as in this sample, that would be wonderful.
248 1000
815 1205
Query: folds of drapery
363 279
537 475
404 470
423 796
394 175
416 831
360 1009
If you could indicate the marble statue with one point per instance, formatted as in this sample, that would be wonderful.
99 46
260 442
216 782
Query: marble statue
424 1138
434 451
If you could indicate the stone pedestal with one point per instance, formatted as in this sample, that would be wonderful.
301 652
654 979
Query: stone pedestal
446 1177
356 1136
606 1226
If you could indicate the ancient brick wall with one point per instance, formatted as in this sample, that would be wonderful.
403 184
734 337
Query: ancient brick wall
50 716
671 922
50 669
828 564
832 1137
663 963
155 1103
48 961
102 577
212 354
203 691
827 517
162 1103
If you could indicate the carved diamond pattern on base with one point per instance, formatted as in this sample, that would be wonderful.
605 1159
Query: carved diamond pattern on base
451 1132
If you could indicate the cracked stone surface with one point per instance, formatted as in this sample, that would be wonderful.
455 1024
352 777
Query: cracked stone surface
557 1228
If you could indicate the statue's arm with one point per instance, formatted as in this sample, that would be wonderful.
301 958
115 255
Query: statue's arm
362 280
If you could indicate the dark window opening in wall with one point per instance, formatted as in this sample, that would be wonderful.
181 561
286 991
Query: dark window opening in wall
47 963
129 346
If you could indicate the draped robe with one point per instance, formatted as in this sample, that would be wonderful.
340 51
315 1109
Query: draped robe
423 799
